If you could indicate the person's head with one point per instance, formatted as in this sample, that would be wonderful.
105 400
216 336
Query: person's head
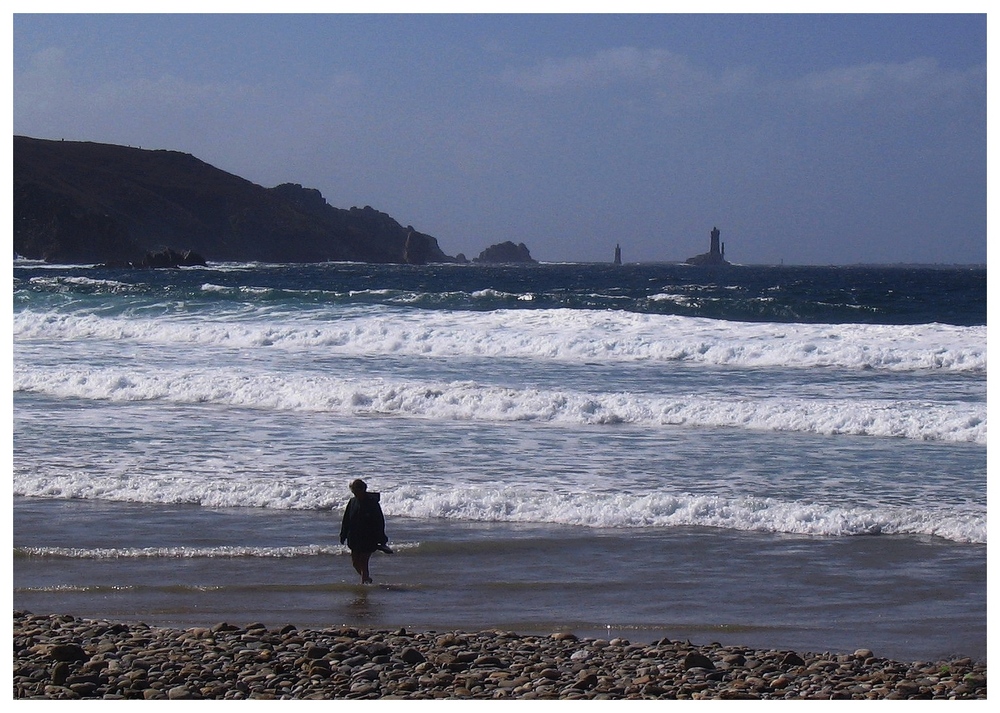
359 487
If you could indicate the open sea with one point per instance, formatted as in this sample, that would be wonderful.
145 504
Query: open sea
780 457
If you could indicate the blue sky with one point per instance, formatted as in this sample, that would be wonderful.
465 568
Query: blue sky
808 139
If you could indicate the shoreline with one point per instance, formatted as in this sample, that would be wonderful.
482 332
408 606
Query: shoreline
65 657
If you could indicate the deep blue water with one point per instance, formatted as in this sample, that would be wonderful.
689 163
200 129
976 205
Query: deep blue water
834 295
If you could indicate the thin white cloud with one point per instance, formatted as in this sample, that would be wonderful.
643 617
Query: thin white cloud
915 81
54 98
42 86
674 84
671 82
603 68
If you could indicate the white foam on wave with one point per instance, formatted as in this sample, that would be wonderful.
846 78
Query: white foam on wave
657 510
509 505
181 552
241 290
957 421
559 334
80 280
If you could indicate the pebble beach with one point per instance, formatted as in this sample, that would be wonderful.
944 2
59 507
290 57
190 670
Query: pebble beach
64 657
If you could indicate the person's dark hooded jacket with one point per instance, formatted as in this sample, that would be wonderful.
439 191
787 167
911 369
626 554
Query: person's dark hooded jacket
363 528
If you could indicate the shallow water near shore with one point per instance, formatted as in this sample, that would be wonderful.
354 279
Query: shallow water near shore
904 598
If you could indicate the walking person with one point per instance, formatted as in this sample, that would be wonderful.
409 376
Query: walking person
363 528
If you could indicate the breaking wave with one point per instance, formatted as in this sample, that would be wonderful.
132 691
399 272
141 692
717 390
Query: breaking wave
470 401
562 335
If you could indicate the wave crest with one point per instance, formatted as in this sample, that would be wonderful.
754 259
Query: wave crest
578 336
469 401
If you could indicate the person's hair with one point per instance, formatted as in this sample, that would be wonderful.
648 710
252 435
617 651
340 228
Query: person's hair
358 486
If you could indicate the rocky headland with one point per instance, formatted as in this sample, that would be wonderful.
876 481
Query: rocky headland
83 202
63 657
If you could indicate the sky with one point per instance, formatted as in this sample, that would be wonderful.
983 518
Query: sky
808 139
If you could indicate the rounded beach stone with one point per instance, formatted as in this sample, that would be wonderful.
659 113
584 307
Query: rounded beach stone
68 652
411 656
696 660
792 659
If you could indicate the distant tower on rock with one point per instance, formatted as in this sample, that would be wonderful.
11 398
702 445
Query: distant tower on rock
716 254
618 254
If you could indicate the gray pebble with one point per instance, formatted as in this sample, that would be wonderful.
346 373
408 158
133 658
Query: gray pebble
61 657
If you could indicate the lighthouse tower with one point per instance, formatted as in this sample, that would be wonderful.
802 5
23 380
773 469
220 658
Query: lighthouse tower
716 254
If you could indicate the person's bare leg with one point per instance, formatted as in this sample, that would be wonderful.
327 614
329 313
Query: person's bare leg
360 562
366 577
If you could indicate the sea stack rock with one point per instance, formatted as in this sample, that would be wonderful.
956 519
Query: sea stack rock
168 257
716 254
505 252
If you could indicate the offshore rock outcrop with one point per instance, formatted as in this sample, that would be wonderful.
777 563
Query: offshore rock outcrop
165 258
83 202
506 252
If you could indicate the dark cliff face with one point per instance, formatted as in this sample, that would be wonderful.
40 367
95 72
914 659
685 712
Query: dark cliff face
81 202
